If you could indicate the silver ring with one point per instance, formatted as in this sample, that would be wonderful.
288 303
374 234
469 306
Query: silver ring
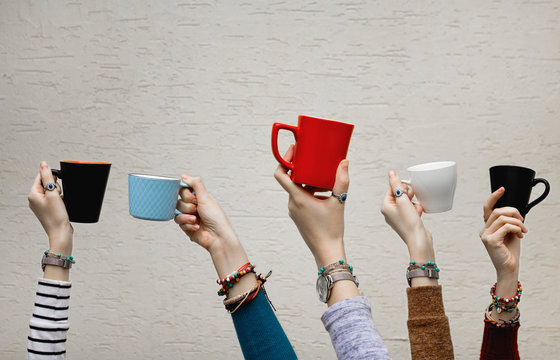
51 187
399 193
341 198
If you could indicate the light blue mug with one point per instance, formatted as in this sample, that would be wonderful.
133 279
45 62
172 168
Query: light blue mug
152 197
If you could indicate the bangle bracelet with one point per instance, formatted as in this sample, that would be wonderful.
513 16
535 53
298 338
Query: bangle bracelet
57 260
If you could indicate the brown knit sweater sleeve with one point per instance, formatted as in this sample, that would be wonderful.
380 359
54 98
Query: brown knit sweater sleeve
428 327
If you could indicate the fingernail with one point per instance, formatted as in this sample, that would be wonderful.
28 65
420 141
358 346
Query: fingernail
345 164
391 173
43 164
184 177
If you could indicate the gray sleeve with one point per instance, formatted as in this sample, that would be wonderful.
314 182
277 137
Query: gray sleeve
352 332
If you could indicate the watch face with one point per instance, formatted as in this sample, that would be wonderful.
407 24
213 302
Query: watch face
322 288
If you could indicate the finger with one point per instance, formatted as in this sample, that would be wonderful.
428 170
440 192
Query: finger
342 180
396 184
491 202
186 193
419 209
410 191
186 207
505 211
281 174
46 175
183 219
197 185
502 220
37 187
189 228
508 229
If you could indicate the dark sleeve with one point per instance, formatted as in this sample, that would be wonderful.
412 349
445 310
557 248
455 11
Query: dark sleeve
499 343
259 333
428 326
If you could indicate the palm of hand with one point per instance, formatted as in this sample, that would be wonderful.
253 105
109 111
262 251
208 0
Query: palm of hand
507 253
214 225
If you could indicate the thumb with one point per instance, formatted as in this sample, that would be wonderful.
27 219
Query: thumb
198 186
342 179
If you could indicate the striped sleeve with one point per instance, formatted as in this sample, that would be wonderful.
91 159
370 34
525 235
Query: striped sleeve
49 323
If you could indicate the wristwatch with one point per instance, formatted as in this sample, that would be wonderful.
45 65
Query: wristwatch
326 282
63 262
427 272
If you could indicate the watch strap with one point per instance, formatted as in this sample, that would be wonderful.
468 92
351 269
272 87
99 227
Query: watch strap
62 262
427 272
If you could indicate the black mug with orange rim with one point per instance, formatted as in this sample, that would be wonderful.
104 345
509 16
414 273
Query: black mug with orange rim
83 187
518 182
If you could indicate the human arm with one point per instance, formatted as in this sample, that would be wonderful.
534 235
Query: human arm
205 223
501 236
428 326
48 326
320 222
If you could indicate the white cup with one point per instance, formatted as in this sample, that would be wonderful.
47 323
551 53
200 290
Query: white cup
434 185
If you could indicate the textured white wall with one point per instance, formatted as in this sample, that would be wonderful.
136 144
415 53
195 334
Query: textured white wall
170 86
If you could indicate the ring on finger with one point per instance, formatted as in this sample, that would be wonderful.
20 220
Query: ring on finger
398 193
50 187
341 197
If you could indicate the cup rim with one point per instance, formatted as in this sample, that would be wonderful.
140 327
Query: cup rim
435 165
512 166
329 120
153 177
85 162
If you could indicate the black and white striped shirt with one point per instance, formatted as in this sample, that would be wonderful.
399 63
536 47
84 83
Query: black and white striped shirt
49 324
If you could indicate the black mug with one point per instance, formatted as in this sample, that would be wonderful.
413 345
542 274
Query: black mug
83 186
518 182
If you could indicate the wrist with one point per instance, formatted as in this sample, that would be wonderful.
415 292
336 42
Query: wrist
61 243
329 256
227 256
506 284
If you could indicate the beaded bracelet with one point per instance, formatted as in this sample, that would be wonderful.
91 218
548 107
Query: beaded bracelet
430 264
230 280
500 323
339 265
505 304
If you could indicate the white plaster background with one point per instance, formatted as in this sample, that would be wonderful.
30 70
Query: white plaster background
170 86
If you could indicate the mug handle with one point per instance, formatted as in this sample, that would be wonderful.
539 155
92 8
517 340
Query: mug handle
274 139
57 173
183 185
540 198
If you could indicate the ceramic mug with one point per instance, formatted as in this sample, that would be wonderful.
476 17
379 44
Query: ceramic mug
153 197
434 185
320 146
83 186
518 182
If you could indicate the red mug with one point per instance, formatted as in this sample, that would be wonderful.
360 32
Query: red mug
320 146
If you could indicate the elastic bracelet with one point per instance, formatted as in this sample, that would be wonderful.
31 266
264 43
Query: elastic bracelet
339 265
506 304
230 280
57 260
501 323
